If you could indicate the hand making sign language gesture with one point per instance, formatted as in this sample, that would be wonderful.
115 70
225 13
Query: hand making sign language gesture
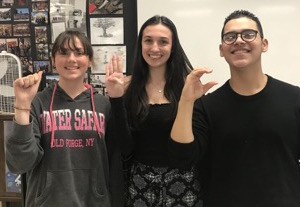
114 78
193 87
25 89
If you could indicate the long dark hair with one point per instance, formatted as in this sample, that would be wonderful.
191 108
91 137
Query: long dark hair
178 67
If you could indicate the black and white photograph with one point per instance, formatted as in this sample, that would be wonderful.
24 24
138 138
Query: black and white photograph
102 55
21 29
107 30
97 80
21 14
5 14
71 12
56 29
106 6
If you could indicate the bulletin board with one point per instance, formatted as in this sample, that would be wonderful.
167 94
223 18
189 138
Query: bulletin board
28 29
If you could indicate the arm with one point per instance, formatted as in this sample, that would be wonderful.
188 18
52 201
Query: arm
193 89
115 89
183 147
22 149
121 126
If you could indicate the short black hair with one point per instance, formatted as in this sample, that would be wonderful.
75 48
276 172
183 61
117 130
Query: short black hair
243 13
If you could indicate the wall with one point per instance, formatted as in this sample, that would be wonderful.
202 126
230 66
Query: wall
28 29
199 24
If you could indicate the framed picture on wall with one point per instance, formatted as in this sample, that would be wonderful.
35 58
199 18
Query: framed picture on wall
21 14
21 29
50 78
107 30
97 80
71 13
5 14
106 7
103 54
5 30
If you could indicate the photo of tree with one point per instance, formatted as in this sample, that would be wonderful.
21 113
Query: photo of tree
107 30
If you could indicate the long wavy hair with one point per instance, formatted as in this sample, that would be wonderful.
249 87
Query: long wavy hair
178 67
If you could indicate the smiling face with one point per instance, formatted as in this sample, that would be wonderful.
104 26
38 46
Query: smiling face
242 54
156 45
72 63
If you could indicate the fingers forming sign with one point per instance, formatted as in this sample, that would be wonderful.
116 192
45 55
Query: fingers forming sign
194 88
114 78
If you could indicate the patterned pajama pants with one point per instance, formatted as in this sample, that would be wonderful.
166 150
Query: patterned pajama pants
162 187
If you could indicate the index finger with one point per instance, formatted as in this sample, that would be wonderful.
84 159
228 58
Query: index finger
108 69
198 72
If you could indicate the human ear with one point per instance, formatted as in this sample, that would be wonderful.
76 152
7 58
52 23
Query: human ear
221 50
265 45
53 62
90 64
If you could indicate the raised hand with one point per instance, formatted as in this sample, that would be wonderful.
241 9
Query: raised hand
114 78
193 87
25 89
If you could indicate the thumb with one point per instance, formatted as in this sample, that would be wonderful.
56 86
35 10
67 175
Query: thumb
38 77
209 85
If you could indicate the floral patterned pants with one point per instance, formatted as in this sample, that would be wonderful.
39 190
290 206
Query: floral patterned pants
162 187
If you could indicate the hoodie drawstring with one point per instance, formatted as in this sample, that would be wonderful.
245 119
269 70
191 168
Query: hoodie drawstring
94 110
52 118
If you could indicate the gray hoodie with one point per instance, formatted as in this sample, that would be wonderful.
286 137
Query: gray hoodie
62 150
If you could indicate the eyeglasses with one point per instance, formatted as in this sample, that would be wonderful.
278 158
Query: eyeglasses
247 35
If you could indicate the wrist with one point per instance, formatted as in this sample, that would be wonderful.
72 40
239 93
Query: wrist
22 108
186 102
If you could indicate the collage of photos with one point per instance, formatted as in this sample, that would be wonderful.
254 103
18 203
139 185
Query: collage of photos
23 31
28 29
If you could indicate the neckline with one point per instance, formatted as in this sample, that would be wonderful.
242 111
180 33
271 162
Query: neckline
158 104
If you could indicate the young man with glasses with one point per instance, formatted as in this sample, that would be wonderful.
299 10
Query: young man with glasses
246 134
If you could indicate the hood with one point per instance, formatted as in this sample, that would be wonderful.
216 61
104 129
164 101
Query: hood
87 94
